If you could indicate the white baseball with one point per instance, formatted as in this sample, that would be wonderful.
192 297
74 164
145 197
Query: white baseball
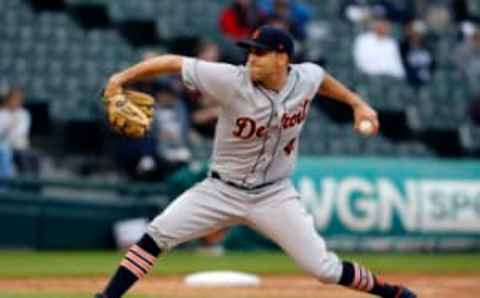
366 127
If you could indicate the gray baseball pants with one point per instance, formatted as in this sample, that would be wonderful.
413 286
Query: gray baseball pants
274 211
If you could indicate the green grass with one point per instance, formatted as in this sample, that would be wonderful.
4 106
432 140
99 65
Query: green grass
44 264
51 264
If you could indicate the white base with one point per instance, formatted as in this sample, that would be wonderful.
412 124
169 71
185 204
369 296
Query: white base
222 279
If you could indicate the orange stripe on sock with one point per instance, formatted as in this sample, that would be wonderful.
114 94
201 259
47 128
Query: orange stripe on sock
137 272
140 256
146 266
143 253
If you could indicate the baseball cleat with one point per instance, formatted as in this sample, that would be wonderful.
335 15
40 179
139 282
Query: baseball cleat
99 295
405 293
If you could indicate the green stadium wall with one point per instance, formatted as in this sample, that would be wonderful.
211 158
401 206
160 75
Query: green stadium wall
34 221
357 204
392 204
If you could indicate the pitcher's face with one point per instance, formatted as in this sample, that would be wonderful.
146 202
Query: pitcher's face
263 63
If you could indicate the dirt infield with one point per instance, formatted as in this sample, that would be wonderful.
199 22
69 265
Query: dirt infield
296 286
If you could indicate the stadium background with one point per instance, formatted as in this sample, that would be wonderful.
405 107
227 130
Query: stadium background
413 188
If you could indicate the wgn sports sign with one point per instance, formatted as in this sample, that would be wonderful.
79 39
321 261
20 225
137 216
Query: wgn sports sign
378 204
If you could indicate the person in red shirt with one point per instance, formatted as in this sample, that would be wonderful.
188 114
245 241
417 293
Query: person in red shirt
238 20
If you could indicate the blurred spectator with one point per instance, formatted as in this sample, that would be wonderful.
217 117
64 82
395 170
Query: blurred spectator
287 14
203 111
418 59
238 20
15 122
6 157
171 128
376 53
467 60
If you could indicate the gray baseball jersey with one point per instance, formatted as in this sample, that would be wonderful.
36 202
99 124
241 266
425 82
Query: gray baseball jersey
255 151
256 139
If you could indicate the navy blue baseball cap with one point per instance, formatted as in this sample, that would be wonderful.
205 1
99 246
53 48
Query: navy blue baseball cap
269 38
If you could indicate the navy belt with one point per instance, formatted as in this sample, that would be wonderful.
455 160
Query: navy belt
216 175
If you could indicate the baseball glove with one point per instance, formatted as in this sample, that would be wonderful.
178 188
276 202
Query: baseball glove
130 113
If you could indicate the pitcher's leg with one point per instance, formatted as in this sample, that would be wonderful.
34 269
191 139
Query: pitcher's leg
195 213
288 224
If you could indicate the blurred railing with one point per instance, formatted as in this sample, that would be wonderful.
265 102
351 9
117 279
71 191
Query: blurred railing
120 189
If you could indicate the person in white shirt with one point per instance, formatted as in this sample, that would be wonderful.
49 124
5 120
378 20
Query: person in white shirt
15 122
377 53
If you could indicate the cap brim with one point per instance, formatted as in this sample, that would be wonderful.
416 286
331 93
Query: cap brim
248 43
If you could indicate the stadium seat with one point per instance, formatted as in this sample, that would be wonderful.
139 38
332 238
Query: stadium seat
59 59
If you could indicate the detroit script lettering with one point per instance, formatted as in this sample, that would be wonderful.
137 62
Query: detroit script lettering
246 127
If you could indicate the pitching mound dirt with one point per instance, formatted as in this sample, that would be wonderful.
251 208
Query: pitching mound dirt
297 286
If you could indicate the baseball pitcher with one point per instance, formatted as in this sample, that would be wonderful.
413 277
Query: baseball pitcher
264 105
